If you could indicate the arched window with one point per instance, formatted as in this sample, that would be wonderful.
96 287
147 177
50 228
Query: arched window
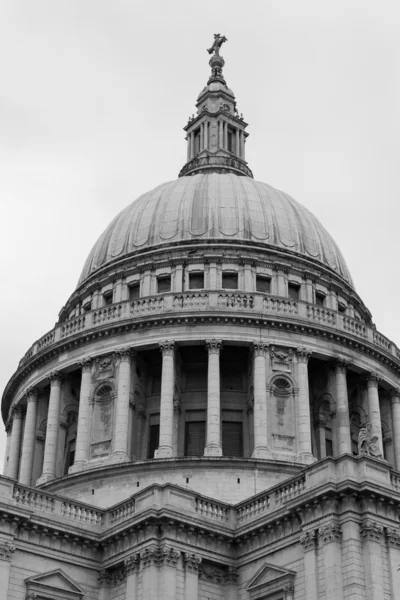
324 426
283 432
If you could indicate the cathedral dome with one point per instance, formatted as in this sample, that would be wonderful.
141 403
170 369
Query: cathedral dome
216 207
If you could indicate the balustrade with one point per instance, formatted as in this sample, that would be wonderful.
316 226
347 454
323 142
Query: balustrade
256 303
122 512
33 499
82 513
211 509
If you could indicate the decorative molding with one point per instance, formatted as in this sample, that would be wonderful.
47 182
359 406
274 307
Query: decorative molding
281 358
370 530
55 378
30 596
6 551
393 537
260 349
231 575
213 346
168 556
149 556
212 572
331 532
191 562
303 355
309 540
373 380
86 364
104 577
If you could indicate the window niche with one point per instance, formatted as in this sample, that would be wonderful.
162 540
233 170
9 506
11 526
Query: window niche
196 280
163 284
102 421
320 299
294 291
282 393
107 298
263 284
230 280
134 291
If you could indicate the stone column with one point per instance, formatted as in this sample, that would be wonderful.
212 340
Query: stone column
52 429
168 561
120 452
15 444
395 394
82 435
231 583
7 451
201 136
132 571
309 543
320 424
372 536
188 146
342 409
213 438
374 412
165 449
6 552
28 443
393 546
237 142
242 142
260 409
149 559
289 591
221 134
191 563
192 145
206 135
226 136
304 423
330 536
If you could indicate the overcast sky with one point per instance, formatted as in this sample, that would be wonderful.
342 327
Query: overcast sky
93 98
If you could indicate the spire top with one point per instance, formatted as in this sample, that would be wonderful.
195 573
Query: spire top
216 135
216 61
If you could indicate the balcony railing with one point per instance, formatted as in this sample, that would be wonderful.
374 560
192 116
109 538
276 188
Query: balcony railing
213 301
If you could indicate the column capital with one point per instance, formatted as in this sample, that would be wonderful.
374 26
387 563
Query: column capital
289 588
395 395
320 421
340 365
370 530
167 347
231 576
373 380
303 355
123 354
309 540
55 378
17 412
30 595
331 532
191 562
131 564
168 556
104 577
393 537
6 551
86 364
213 346
149 556
260 349
31 394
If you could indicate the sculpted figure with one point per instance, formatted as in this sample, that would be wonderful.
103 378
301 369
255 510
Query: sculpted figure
368 444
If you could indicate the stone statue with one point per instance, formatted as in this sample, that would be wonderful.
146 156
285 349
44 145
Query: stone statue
218 41
368 444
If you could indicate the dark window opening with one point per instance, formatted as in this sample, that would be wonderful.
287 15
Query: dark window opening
230 281
134 291
107 298
231 140
195 438
87 306
197 141
163 284
263 284
196 281
341 308
154 436
319 299
294 291
232 438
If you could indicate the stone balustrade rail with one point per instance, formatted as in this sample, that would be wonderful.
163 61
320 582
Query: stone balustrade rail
256 304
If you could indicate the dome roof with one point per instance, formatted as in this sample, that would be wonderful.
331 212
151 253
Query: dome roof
216 207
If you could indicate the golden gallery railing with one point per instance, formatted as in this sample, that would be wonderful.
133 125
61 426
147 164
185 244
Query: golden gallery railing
234 302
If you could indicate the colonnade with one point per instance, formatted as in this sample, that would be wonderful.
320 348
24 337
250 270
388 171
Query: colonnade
222 133
20 447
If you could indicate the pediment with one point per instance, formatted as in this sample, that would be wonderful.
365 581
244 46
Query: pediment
270 579
54 584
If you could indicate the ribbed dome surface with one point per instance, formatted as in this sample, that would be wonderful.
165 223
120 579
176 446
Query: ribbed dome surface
215 206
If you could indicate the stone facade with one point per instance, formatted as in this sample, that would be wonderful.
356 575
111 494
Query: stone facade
215 414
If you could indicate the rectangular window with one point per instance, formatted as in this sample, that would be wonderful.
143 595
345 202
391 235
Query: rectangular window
154 436
231 140
294 291
87 307
230 281
319 299
163 284
107 298
134 291
196 281
197 141
263 284
195 438
232 438
341 308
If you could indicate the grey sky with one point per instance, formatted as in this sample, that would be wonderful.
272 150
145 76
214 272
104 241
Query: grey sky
93 98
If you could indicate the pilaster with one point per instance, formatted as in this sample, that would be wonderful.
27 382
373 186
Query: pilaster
330 536
82 436
309 542
372 537
131 565
393 547
6 553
